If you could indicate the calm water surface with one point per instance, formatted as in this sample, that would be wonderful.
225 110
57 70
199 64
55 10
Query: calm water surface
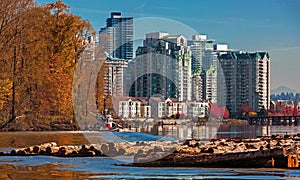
41 167
44 167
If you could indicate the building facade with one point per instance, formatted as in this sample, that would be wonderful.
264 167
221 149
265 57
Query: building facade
198 78
198 109
211 85
162 67
214 78
114 76
117 37
170 107
129 108
198 45
246 79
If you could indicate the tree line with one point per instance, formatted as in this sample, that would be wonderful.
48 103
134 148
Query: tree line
39 49
286 96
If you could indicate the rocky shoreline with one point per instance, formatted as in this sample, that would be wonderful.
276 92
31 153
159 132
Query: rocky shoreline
274 151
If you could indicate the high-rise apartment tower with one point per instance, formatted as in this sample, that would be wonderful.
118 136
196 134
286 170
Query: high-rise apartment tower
117 37
247 79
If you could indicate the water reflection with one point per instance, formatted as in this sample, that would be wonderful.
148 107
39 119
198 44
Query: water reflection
44 171
44 167
23 138
190 131
212 131
177 131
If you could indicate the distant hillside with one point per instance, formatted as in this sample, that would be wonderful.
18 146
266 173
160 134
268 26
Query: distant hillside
283 89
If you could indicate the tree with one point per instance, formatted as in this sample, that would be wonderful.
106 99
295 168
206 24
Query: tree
215 110
13 26
226 113
295 111
246 108
46 42
12 14
5 92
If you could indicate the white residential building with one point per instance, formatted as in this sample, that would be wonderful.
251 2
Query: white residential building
198 109
197 85
167 108
114 77
199 44
129 108
211 85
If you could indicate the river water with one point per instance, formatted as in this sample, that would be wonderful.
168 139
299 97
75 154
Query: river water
45 167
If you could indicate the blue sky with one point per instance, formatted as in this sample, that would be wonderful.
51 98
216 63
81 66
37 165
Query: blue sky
250 25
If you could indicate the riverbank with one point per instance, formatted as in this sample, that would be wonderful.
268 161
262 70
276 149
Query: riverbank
26 124
274 151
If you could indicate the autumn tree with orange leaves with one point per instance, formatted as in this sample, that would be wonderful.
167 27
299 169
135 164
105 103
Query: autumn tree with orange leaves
39 48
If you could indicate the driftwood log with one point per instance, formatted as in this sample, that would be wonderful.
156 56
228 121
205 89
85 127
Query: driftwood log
274 151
